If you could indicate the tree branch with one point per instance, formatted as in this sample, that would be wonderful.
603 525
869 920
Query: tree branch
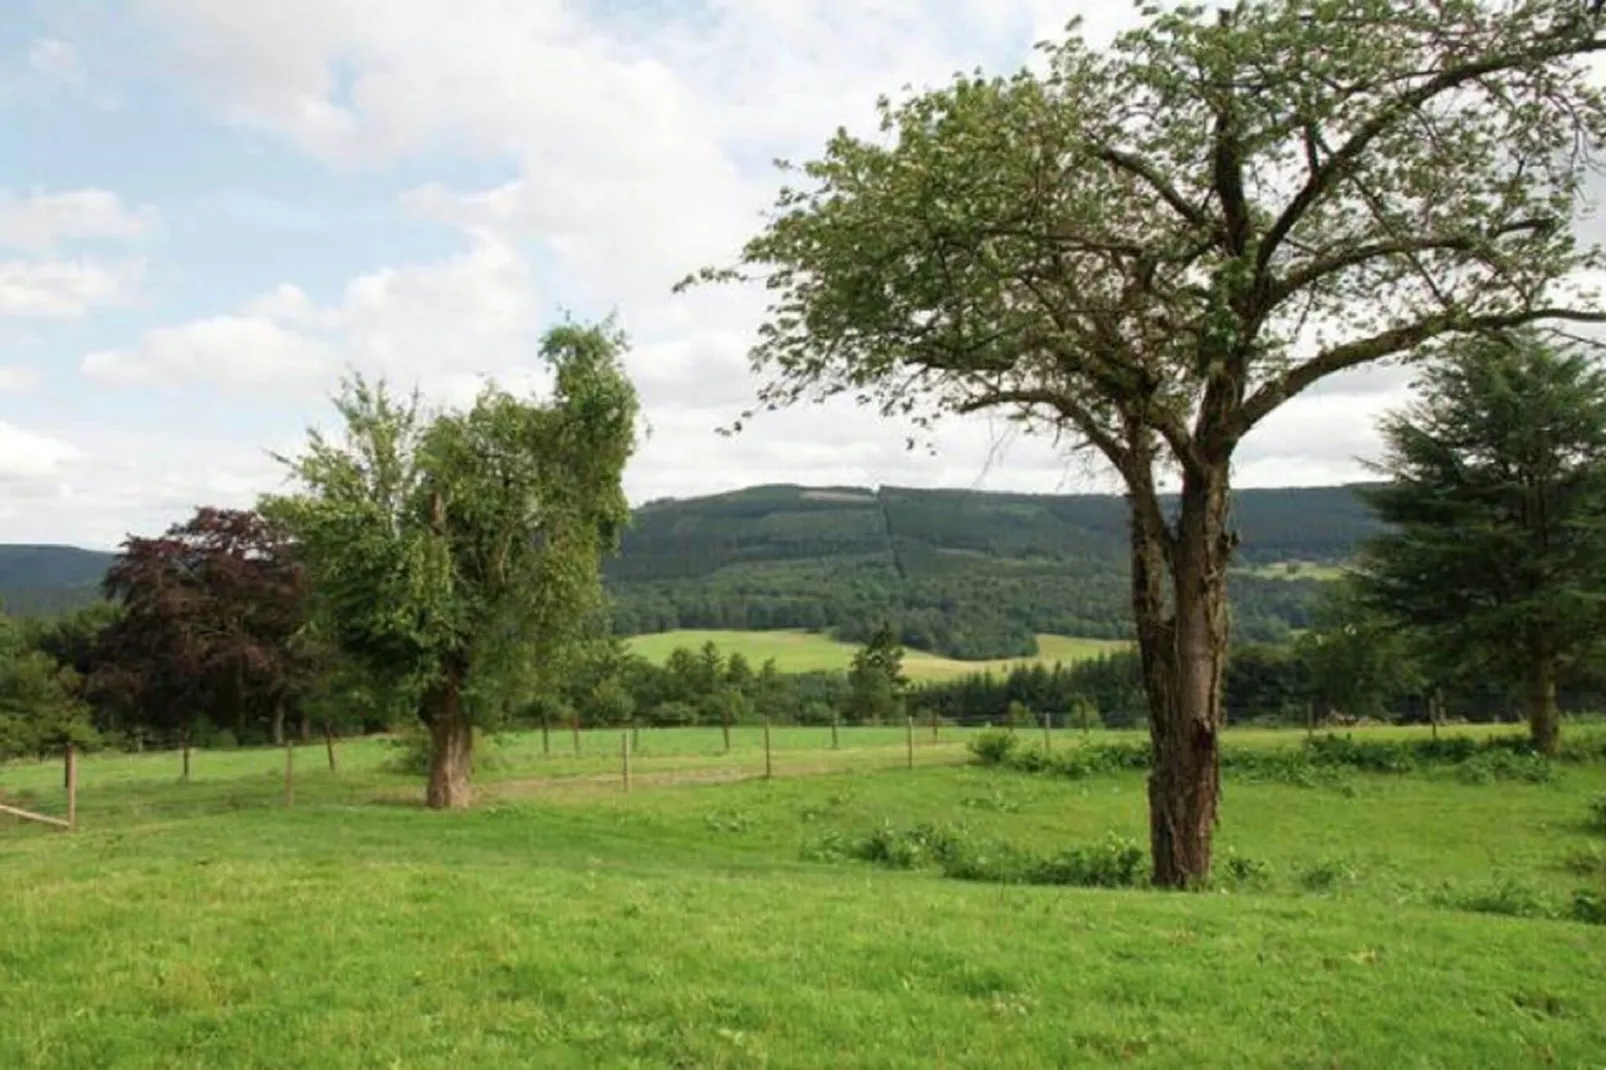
1388 343
1078 415
1331 170
1141 168
1361 254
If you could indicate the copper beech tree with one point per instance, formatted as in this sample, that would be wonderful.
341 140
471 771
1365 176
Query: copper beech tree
1149 247
209 615
453 552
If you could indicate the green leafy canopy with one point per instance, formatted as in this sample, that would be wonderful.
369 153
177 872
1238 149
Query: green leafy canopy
443 540
1173 236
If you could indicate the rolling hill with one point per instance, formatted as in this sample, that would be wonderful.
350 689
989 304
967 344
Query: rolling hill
961 573
41 580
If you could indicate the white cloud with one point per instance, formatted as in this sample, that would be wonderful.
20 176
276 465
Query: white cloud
428 325
57 60
237 351
27 458
41 220
66 289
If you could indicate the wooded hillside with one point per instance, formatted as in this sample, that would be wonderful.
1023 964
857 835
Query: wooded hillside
961 573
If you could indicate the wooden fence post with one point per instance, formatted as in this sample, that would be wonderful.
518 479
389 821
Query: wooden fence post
186 756
769 768
72 785
546 735
835 720
289 773
910 740
635 734
934 726
624 758
329 745
574 728
1048 738
725 725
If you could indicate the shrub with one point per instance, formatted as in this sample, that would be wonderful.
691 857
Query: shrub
412 752
1244 872
1589 906
1495 763
1113 862
918 846
1506 896
1327 875
1587 862
1597 814
993 746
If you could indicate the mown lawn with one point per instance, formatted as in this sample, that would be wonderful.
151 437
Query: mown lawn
567 923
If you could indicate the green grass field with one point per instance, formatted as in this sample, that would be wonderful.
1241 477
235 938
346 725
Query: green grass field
796 651
565 922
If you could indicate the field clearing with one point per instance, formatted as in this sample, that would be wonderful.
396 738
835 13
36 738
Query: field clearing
567 923
1294 570
798 651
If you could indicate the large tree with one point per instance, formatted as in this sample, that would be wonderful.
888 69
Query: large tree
1496 495
1148 248
449 552
208 616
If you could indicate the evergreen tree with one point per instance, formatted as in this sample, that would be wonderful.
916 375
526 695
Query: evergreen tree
1498 501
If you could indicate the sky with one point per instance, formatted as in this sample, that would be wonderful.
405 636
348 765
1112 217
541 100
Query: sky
209 209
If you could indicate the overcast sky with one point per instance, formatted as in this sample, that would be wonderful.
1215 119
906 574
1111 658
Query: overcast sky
208 208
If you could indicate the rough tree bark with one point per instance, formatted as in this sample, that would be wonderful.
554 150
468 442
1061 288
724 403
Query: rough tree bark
451 743
1179 602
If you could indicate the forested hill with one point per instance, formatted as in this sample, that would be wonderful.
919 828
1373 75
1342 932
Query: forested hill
960 572
36 580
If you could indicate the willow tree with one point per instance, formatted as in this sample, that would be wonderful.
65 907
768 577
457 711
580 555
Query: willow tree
1148 248
450 551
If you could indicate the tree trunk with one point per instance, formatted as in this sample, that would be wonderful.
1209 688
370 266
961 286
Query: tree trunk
1179 601
451 744
329 745
1544 723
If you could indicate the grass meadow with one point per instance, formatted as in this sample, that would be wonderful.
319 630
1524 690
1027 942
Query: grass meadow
566 922
798 651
